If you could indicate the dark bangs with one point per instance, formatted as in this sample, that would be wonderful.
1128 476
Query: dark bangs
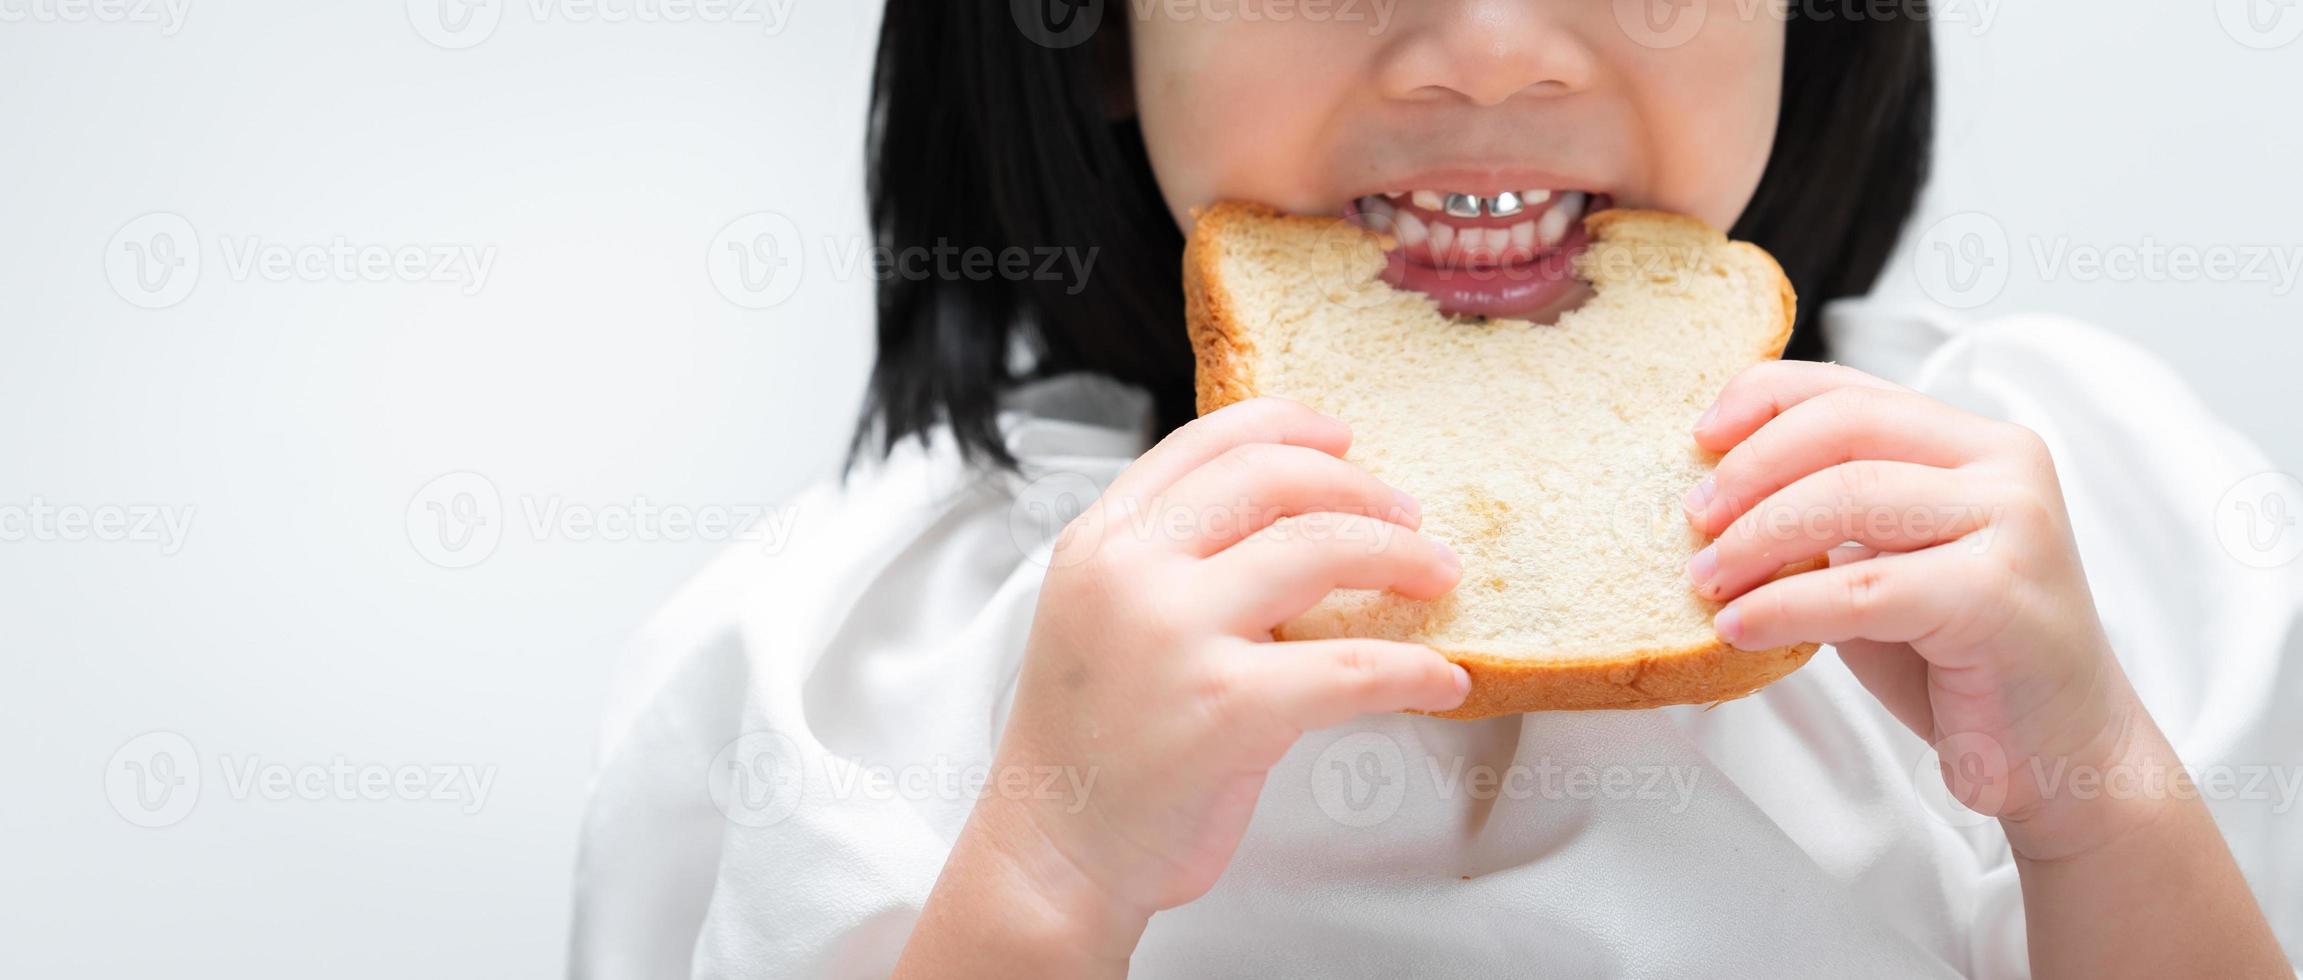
985 142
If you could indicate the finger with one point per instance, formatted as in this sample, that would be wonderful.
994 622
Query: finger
1889 599
1887 505
1838 426
1191 445
1759 393
1894 673
1276 573
1313 684
1250 486
1848 554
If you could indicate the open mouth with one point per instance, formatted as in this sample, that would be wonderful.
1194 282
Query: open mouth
1497 254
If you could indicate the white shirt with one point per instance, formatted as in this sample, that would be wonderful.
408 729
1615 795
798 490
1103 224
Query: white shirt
789 755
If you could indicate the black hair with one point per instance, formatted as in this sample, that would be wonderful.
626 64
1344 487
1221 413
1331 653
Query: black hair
991 136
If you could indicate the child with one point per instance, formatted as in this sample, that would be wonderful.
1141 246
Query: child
943 739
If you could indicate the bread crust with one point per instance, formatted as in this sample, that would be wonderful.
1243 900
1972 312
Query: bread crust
1705 672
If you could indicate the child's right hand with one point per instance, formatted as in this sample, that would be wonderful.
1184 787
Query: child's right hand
1151 670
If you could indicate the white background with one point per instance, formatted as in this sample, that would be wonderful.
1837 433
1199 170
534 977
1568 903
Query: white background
307 616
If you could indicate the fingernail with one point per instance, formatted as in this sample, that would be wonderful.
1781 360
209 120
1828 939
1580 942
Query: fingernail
1710 415
1729 623
1699 496
1454 560
1703 566
1462 681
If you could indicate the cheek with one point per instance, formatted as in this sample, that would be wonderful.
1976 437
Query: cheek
1232 110
1708 115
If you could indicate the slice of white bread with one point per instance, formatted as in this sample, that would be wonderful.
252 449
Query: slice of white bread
1551 458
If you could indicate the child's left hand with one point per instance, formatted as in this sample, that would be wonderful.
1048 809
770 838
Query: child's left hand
1965 610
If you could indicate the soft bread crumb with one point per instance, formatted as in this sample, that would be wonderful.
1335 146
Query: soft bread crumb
1551 458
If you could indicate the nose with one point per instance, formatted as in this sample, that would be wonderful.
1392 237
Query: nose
1484 51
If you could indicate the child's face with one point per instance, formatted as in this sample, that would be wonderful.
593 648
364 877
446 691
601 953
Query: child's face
1329 114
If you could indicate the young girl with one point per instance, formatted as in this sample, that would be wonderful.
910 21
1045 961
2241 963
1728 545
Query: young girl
934 735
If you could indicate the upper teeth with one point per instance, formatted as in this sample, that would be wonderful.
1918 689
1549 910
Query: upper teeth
1456 205
1426 223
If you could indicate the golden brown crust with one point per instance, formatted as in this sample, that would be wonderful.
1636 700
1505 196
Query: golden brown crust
1707 672
1648 679
1224 356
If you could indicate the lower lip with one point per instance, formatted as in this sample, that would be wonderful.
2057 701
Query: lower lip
1542 284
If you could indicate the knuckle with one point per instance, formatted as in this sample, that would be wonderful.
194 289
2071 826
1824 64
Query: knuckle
1853 402
1220 691
2023 441
1359 673
1865 590
1996 596
2025 508
1860 480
